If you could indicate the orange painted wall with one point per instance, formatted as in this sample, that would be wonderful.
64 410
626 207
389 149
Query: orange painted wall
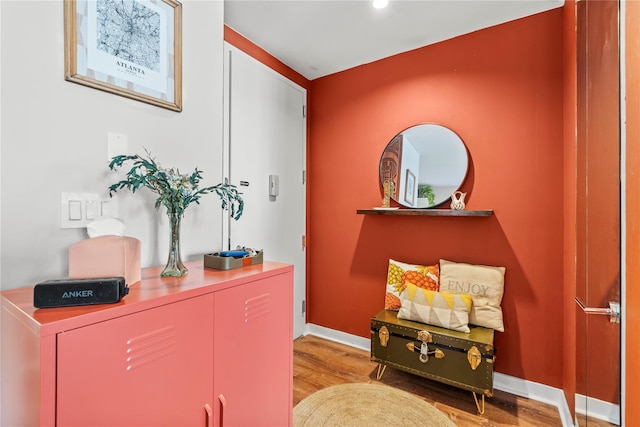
501 90
569 211
632 303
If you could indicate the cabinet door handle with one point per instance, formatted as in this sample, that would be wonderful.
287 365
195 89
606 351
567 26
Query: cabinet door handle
223 403
209 411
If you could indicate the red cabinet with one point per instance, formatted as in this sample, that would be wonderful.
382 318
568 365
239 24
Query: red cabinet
249 348
212 348
154 367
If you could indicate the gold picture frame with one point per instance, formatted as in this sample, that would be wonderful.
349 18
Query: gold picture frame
132 49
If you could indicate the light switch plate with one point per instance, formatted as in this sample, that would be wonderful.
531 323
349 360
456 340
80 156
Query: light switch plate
79 209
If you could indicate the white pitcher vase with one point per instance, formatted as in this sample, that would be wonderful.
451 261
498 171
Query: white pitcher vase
457 200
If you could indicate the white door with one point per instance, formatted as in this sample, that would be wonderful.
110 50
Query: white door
265 128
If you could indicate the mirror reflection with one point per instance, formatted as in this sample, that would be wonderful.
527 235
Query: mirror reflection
424 165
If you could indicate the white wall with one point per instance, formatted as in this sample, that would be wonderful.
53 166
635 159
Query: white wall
54 139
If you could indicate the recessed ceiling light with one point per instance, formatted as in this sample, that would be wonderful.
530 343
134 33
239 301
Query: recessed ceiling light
380 4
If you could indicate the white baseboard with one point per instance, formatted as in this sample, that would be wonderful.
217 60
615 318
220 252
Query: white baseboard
535 391
600 409
337 336
518 386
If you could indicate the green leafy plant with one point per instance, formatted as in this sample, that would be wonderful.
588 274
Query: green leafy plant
175 191
425 191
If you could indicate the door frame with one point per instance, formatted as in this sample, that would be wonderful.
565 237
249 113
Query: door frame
630 134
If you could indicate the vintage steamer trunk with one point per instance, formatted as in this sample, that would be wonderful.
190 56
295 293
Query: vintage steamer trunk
463 360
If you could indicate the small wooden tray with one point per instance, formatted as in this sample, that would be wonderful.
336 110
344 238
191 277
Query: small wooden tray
229 263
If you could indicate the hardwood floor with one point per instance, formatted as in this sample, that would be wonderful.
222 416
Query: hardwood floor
319 363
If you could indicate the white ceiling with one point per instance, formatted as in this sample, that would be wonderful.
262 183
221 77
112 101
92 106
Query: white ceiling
321 37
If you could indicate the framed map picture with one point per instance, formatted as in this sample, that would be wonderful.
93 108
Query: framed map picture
131 48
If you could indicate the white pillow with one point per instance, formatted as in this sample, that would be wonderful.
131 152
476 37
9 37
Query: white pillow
484 283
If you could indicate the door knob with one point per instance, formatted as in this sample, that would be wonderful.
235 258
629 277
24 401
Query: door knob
613 311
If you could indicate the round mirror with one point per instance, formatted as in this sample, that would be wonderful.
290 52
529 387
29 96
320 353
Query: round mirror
424 165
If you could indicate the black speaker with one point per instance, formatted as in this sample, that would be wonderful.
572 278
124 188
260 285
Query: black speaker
69 292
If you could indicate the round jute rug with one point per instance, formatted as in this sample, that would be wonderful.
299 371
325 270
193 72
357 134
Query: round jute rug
366 405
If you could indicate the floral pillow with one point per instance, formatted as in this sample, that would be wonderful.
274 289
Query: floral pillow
399 273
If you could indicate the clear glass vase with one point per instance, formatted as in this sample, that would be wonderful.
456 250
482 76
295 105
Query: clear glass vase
174 267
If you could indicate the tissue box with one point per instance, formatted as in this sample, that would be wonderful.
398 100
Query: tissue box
106 256
229 263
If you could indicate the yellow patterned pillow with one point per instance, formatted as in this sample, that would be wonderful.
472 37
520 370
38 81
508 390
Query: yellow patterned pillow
423 276
442 309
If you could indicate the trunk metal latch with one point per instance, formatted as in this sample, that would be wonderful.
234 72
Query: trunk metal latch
425 338
474 357
383 336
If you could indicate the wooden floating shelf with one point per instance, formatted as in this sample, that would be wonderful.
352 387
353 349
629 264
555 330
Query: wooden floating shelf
426 212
